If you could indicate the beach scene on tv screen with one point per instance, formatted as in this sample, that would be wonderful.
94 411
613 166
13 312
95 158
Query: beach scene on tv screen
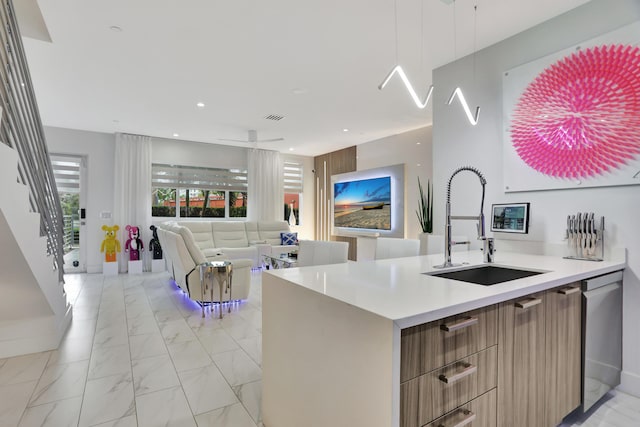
364 203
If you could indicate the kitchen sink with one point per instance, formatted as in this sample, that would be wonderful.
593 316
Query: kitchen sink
485 275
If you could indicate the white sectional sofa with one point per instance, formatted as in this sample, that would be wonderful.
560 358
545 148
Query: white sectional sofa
188 244
238 240
183 260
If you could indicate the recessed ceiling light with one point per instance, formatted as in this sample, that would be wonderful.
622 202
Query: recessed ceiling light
290 148
176 135
115 28
345 130
418 143
418 165
200 105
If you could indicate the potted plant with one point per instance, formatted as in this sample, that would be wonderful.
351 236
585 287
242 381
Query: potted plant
425 215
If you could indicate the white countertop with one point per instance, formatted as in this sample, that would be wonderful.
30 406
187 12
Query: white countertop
396 288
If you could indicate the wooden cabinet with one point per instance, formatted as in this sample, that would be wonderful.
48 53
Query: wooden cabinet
521 362
447 388
539 358
563 312
441 391
480 412
446 364
432 345
523 355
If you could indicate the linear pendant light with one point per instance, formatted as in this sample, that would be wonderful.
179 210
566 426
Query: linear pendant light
398 69
420 103
457 92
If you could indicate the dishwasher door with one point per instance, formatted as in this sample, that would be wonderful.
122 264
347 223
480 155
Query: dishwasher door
602 336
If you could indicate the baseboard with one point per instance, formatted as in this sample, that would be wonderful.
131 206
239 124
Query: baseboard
630 383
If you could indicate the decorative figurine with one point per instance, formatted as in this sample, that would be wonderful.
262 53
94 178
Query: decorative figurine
154 244
134 244
110 245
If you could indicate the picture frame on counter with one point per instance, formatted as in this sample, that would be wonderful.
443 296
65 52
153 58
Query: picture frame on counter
510 218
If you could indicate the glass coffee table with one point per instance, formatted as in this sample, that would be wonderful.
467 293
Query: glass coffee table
271 262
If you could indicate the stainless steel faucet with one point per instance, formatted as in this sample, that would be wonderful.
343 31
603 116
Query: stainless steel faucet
487 243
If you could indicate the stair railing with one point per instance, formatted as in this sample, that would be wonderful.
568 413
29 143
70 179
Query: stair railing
21 129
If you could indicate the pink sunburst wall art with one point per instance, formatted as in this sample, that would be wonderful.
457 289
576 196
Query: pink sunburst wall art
573 118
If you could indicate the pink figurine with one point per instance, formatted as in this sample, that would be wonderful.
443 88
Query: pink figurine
134 244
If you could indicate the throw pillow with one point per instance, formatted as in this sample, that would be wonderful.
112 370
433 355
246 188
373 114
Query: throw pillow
288 238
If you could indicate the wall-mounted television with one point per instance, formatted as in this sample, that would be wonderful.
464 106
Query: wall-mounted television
363 203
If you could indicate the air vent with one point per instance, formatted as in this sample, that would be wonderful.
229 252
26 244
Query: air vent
274 117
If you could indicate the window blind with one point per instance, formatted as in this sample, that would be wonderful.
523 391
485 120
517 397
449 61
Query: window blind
66 171
292 177
173 176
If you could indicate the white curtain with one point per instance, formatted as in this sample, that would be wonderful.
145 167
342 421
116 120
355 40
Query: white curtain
265 186
132 198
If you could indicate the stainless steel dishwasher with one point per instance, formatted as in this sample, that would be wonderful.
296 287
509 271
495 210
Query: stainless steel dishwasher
601 336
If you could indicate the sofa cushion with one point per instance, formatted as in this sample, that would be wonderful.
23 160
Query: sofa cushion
212 253
252 232
270 231
201 232
288 238
192 247
229 235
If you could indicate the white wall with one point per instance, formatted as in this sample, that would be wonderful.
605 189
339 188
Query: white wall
456 143
413 149
99 149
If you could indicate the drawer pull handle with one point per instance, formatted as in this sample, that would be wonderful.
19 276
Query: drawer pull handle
525 304
568 291
468 417
468 370
464 323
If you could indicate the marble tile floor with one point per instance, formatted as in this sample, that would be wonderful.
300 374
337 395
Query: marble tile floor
138 353
616 409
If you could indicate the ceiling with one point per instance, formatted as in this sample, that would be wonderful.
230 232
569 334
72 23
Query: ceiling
318 64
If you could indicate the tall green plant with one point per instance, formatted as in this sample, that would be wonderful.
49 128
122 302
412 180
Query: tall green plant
425 208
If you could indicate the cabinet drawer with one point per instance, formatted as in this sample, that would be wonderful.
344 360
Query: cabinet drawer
427 347
431 395
444 389
480 412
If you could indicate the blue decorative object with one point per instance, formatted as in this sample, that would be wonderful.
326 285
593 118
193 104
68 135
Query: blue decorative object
288 238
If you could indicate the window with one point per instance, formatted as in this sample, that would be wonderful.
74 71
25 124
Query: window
237 204
292 191
198 192
163 202
195 203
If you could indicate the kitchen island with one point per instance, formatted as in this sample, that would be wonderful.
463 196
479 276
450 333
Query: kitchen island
332 334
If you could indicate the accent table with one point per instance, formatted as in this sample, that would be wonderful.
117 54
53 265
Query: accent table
277 263
222 271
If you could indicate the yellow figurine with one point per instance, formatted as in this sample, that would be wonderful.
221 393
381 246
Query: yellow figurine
110 245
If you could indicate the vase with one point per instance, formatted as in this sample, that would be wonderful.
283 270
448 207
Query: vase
424 243
292 217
